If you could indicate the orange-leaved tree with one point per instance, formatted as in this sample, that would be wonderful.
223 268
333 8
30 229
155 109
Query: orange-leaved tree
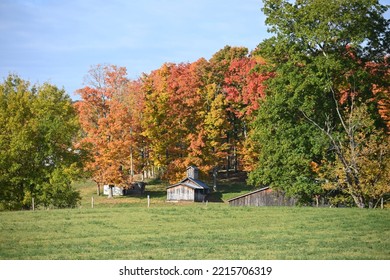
106 125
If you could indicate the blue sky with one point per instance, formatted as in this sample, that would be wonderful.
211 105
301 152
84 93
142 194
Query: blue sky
58 41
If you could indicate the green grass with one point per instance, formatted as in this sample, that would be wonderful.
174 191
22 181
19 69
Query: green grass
124 228
194 231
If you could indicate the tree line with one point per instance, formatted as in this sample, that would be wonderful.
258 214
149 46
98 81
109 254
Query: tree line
178 115
306 112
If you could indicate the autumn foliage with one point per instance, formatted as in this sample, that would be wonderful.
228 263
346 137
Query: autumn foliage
178 115
106 122
203 113
307 113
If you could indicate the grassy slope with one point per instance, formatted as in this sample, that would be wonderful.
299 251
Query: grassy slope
124 228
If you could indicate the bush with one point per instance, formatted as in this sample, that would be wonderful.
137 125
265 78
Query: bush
58 192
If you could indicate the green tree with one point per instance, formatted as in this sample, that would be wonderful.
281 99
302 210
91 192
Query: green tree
37 127
362 166
286 145
321 55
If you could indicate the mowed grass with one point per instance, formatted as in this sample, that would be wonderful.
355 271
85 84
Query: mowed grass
195 231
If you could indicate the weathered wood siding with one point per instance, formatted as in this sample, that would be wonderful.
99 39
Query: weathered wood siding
200 195
180 192
266 197
192 172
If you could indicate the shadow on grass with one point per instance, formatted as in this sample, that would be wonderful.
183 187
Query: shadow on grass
156 194
227 187
156 188
215 197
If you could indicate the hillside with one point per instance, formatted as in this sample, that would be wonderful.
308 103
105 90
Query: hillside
156 189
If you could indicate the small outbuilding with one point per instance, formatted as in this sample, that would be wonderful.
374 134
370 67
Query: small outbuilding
263 197
135 188
116 190
188 189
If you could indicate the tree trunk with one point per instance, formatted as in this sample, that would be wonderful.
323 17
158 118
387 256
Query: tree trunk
111 192
131 165
98 189
215 173
227 166
235 160
359 201
317 200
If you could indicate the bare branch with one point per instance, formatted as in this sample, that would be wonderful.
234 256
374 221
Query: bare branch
337 146
338 110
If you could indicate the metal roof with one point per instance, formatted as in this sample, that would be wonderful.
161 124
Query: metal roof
191 183
252 192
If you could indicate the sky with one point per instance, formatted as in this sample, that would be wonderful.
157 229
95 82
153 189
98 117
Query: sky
59 41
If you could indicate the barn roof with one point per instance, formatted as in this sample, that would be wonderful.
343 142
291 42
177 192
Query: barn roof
255 191
191 183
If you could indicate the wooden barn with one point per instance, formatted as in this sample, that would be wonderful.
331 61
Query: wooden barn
262 197
188 189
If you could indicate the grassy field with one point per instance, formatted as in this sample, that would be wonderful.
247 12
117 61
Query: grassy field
124 228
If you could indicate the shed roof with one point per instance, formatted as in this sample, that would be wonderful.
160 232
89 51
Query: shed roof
191 183
243 195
